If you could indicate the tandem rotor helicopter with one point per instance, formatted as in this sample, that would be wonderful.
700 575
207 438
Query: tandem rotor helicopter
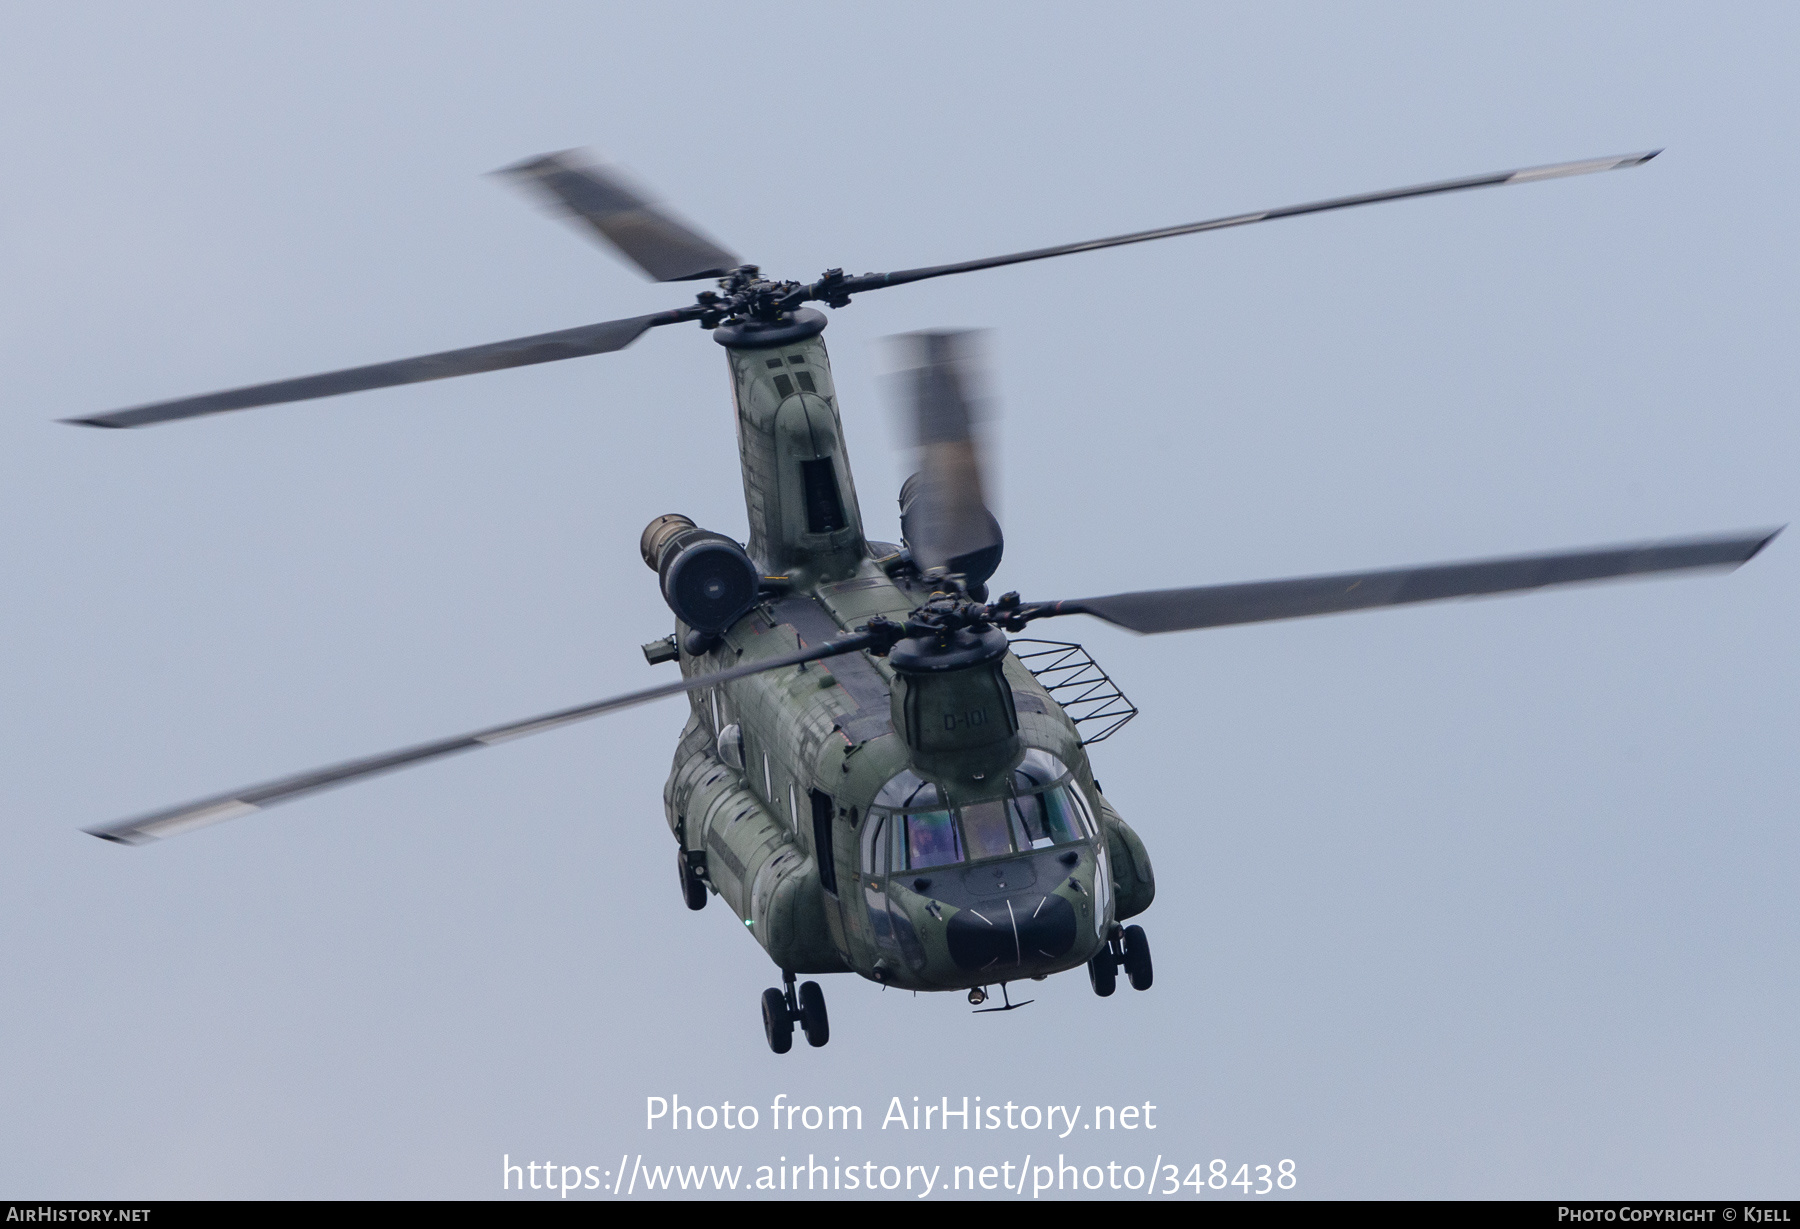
872 776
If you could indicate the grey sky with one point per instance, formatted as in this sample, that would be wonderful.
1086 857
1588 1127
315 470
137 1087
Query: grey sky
1485 899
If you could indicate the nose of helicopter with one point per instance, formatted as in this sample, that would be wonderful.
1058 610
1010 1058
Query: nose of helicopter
1030 929
1013 915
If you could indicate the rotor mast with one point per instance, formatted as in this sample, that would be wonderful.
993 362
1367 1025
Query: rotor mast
799 494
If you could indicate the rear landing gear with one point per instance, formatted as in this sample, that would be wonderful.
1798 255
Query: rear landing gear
1129 947
693 888
782 1009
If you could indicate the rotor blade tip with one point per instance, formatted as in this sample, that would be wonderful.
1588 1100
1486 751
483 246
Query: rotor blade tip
527 166
92 422
1768 538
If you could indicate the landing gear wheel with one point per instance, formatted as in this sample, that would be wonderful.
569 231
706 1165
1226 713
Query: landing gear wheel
812 1014
1103 971
693 888
777 1023
1137 958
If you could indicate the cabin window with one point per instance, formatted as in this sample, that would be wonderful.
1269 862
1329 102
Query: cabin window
796 359
774 362
824 507
806 381
730 746
784 386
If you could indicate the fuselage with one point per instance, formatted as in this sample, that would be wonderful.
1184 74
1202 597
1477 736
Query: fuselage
949 838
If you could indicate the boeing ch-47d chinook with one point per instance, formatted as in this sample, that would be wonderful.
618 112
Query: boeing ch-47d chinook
872 777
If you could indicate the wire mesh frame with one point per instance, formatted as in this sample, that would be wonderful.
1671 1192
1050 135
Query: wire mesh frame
1078 684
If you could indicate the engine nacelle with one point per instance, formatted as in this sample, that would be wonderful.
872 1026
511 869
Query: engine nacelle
707 579
976 566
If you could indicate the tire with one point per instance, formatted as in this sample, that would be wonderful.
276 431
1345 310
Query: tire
776 1023
693 888
1137 958
1103 973
813 1021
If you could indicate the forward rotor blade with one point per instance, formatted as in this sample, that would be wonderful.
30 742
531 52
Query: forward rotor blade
1173 610
158 824
646 234
944 511
1556 170
519 352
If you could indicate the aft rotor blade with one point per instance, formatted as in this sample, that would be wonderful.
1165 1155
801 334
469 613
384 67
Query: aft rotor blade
519 352
158 824
947 521
648 235
1556 170
1174 610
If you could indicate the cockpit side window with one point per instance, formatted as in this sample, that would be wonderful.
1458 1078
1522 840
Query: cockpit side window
875 843
1029 812
1065 818
1049 816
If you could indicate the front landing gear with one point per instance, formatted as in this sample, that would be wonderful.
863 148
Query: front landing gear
1129 947
782 1009
813 1021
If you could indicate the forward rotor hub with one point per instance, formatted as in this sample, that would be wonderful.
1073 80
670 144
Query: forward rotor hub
949 624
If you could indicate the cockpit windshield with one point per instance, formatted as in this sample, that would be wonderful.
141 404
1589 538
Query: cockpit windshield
909 828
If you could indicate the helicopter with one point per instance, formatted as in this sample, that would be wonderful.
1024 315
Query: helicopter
874 776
